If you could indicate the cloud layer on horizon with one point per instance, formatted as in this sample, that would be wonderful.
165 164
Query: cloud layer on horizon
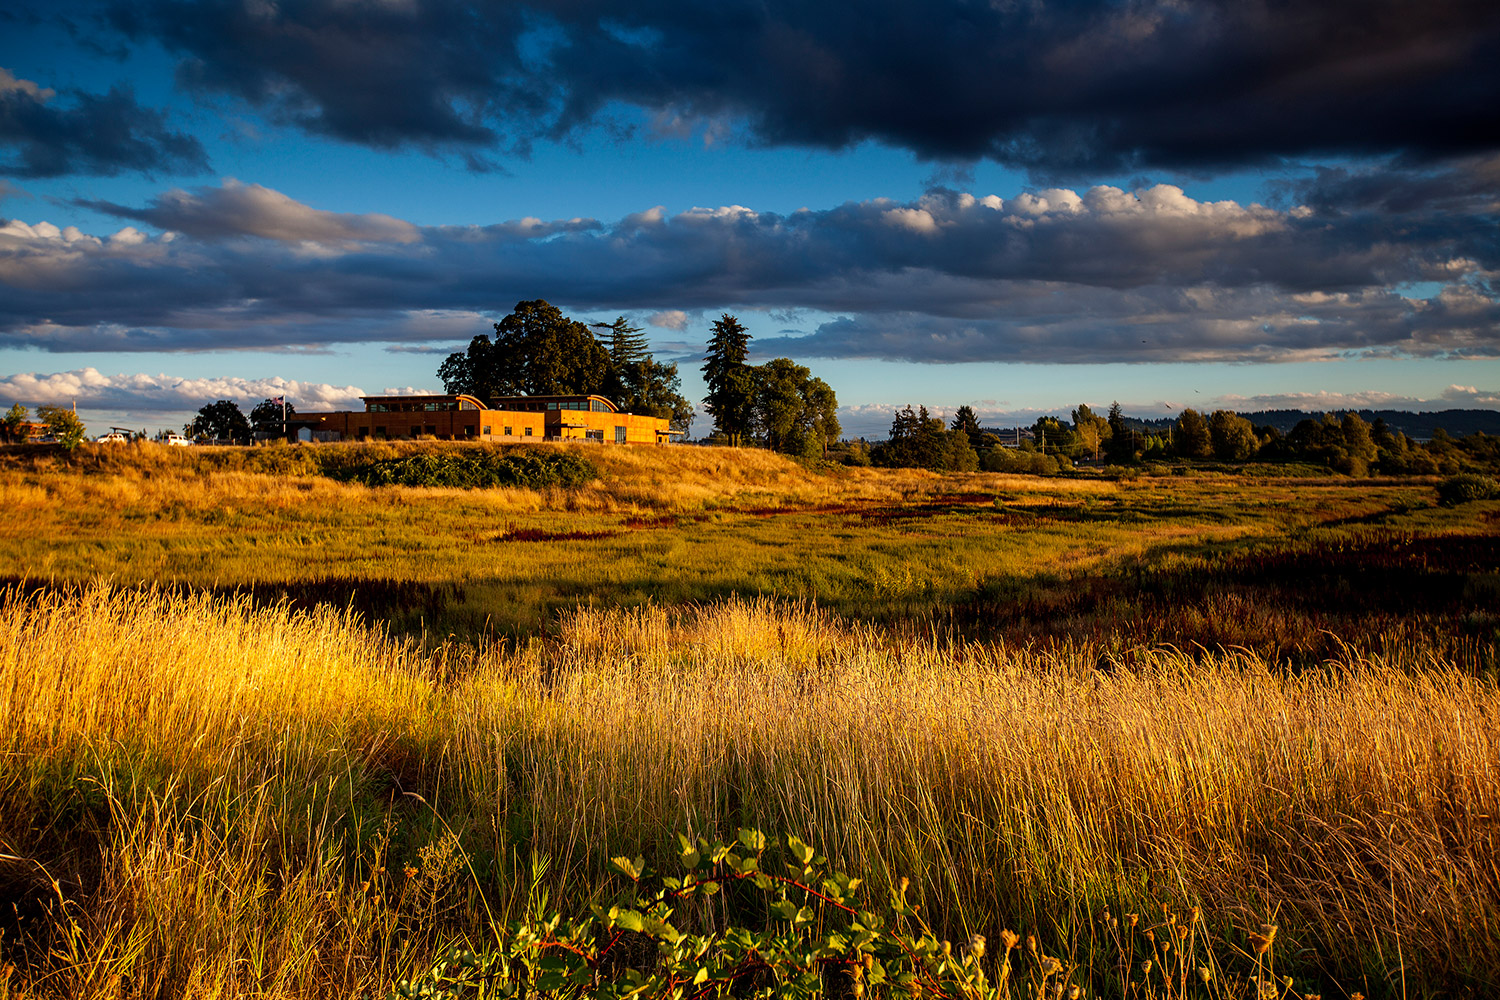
155 394
1052 275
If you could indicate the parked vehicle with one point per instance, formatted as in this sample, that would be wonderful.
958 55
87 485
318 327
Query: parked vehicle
174 438
113 437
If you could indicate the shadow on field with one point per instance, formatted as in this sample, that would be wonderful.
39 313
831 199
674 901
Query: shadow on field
1299 604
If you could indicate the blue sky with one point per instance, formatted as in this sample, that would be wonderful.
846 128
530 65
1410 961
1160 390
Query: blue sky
937 204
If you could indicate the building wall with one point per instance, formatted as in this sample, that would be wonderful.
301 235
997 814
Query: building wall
577 424
487 425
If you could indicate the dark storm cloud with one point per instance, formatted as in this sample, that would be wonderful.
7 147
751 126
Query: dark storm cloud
45 134
1470 185
1063 88
1049 275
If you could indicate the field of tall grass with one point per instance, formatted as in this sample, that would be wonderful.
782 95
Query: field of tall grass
202 797
267 733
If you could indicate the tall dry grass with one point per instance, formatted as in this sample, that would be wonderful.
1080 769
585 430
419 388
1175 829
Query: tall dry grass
204 798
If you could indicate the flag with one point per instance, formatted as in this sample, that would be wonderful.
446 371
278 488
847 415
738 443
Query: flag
279 401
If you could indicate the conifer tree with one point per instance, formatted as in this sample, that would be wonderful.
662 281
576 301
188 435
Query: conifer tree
731 383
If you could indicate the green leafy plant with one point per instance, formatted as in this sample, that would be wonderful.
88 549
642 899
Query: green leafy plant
812 936
63 425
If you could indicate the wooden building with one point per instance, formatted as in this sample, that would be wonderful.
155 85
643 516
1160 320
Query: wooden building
468 418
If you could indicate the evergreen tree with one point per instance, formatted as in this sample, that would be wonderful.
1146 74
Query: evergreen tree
731 385
1120 447
920 441
626 344
966 423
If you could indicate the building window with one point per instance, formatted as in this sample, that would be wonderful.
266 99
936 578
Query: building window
528 432
487 430
468 432
362 432
379 431
507 431
619 435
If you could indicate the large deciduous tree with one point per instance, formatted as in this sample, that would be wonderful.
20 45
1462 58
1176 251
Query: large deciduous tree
537 351
1192 438
1091 431
795 412
1232 436
731 384
221 421
270 418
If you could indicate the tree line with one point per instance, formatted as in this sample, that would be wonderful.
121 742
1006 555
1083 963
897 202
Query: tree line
537 351
1345 443
779 404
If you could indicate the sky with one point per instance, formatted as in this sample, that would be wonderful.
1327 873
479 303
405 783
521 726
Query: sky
1015 205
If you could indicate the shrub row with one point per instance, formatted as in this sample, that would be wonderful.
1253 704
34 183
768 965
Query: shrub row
478 469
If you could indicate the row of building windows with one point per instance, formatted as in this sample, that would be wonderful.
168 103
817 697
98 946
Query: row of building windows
409 407
594 405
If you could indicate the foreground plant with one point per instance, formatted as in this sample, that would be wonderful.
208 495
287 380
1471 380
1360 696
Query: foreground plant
812 936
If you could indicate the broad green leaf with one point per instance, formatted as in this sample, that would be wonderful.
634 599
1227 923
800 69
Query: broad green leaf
753 840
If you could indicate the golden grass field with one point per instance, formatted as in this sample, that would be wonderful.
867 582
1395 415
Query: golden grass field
1273 699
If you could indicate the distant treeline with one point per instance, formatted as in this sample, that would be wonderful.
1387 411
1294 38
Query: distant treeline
1346 443
1417 426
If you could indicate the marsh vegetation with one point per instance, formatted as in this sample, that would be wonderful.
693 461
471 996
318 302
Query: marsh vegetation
265 730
